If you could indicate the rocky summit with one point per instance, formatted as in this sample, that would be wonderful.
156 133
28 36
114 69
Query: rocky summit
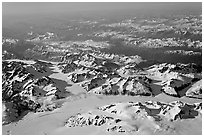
116 117
27 86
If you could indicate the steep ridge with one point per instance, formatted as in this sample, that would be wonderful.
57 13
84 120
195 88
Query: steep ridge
132 117
195 91
26 87
175 79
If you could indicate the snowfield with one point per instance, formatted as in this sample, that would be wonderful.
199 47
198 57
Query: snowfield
65 106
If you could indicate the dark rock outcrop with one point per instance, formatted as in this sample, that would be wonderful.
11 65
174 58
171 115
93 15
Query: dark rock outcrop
24 90
119 117
195 91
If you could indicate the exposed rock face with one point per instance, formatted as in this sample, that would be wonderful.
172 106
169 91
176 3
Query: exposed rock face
41 87
88 60
119 117
31 87
187 68
195 91
40 66
14 75
133 86
179 110
87 120
69 67
130 69
173 87
69 57
179 68
83 59
23 89
79 77
97 58
96 81
175 78
102 69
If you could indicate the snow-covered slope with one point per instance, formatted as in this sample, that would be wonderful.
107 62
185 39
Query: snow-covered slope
133 117
28 87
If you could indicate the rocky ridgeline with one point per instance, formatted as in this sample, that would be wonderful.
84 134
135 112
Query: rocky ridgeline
60 50
41 37
119 59
186 68
101 62
195 91
130 69
73 61
81 76
176 78
25 88
85 53
41 66
87 119
132 117
95 70
68 67
174 87
119 86
96 58
189 70
106 79
96 73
